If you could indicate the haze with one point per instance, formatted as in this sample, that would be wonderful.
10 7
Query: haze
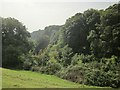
38 15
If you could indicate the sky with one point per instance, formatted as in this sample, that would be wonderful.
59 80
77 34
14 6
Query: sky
37 14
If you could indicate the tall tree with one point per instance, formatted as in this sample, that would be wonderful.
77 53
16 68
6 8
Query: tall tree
15 42
105 39
77 28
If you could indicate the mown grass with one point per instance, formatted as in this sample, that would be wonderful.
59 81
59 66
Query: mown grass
28 79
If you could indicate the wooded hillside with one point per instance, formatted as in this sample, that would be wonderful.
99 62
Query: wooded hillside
86 49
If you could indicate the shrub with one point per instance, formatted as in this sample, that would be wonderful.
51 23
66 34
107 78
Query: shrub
29 61
105 73
35 68
93 73
52 66
101 78
73 73
78 59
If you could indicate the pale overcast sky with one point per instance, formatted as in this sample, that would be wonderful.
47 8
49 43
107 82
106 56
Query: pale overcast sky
38 14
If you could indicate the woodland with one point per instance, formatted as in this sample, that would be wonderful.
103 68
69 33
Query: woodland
85 50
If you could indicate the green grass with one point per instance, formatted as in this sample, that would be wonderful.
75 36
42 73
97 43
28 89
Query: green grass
28 79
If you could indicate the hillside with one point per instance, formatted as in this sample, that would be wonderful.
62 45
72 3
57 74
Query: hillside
42 38
48 31
36 34
28 79
84 50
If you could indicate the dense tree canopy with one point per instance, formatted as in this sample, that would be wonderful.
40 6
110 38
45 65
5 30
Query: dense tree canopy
86 49
44 37
14 41
77 28
105 39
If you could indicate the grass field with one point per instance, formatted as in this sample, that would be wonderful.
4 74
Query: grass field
28 79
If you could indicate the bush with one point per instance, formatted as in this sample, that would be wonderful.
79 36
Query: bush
35 68
78 59
73 73
101 78
103 73
66 55
29 61
52 66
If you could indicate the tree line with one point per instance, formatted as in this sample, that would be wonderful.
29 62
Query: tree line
86 49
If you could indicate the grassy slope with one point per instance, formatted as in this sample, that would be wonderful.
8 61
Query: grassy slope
28 79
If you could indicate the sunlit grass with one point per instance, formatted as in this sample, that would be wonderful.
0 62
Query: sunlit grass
28 79
0 78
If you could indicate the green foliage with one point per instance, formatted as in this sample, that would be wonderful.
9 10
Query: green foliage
44 37
79 59
86 49
52 66
11 59
104 40
66 55
77 28
29 61
14 41
73 73
42 44
36 35
43 58
100 78
93 73
95 44
27 79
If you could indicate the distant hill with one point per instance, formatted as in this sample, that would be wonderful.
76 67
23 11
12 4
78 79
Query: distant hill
43 37
36 35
